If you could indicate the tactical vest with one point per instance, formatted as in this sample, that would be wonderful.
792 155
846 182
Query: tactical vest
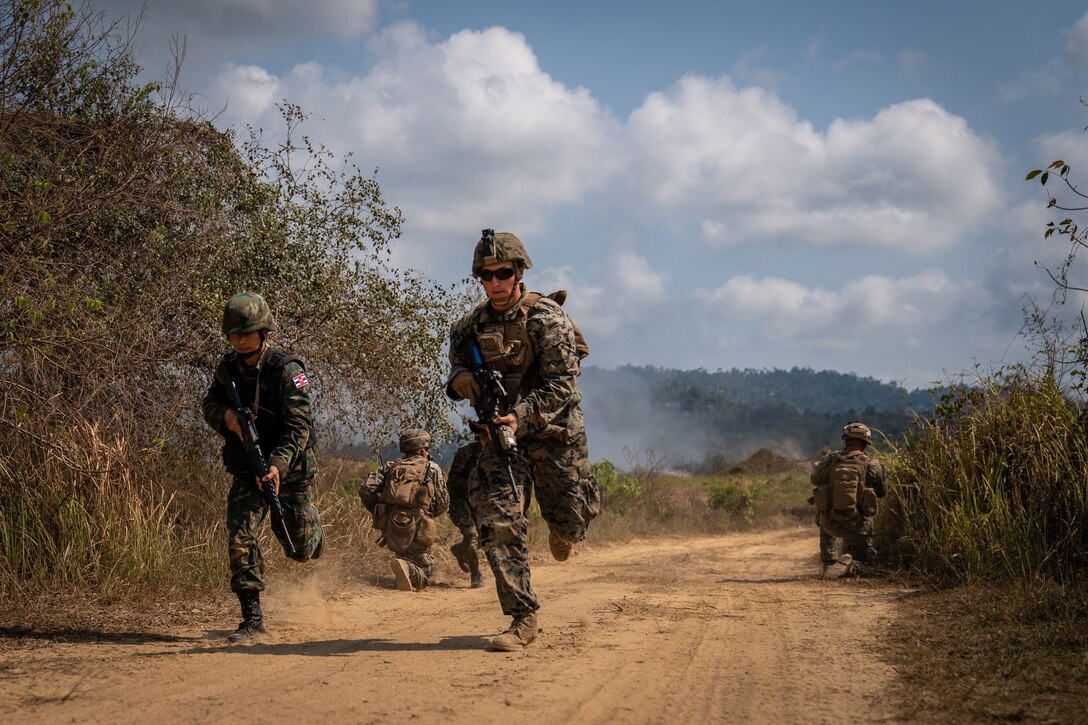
268 407
406 493
843 497
507 346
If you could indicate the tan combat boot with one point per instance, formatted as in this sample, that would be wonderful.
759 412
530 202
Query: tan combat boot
560 549
838 568
403 576
519 634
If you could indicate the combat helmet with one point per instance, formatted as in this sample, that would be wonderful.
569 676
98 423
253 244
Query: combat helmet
857 431
247 312
413 439
500 247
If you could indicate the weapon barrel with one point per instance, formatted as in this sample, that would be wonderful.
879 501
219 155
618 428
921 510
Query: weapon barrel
257 465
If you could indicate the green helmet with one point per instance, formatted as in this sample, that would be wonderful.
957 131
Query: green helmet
501 247
247 312
857 431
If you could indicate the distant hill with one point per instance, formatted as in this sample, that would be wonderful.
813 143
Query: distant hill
695 416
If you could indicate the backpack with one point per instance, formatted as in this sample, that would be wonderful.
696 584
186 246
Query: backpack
401 515
844 498
581 347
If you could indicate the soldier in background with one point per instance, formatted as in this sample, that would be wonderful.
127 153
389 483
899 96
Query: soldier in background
458 481
275 385
846 485
404 496
535 347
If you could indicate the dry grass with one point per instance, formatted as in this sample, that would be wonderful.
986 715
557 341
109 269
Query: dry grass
991 653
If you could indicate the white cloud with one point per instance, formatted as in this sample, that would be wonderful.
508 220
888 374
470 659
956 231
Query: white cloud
1034 83
872 307
469 132
1070 146
1050 78
637 279
1076 45
749 170
612 296
251 90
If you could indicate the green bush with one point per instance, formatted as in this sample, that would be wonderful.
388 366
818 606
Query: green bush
994 486
617 489
737 498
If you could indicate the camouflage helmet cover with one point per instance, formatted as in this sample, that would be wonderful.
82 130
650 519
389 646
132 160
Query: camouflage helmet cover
413 439
247 312
498 247
857 431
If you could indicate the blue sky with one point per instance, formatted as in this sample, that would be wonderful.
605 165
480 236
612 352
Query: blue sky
822 184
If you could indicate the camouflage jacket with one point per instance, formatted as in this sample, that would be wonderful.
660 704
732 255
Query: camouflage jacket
547 398
874 472
370 490
284 422
464 461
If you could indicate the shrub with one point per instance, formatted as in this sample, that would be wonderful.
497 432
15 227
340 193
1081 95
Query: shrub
994 486
738 499
618 490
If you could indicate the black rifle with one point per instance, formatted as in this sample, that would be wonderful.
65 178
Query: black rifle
487 404
257 465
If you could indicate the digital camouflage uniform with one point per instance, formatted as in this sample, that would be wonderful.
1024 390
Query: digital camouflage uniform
421 564
552 458
858 542
461 473
458 481
285 434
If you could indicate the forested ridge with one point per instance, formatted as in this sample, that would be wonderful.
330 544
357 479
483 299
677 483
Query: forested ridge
694 414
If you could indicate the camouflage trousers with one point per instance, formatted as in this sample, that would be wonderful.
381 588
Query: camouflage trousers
858 544
568 499
246 508
461 512
421 565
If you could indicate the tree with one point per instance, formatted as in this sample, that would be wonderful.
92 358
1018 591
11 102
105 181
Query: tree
127 220
1062 350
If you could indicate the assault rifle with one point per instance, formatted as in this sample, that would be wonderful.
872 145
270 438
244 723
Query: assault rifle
486 406
257 465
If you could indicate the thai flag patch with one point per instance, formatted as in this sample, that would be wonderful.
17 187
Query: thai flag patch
300 380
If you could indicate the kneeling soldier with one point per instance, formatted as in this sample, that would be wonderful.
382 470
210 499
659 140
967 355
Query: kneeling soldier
404 496
845 487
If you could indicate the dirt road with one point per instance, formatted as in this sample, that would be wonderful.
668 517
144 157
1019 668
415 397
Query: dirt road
728 629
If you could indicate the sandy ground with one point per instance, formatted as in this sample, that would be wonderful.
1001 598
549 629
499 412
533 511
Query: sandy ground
736 628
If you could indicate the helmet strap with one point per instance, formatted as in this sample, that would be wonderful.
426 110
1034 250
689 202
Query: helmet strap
507 302
255 353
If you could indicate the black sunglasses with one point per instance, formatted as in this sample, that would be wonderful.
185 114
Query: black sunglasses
503 273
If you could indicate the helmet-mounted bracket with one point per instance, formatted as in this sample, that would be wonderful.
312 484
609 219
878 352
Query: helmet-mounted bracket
487 236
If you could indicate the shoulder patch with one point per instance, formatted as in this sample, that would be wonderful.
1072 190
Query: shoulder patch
300 380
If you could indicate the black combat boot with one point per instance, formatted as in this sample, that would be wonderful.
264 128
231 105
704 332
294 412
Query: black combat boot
460 552
474 569
251 628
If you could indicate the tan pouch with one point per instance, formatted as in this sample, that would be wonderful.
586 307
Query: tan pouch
868 503
400 529
426 531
